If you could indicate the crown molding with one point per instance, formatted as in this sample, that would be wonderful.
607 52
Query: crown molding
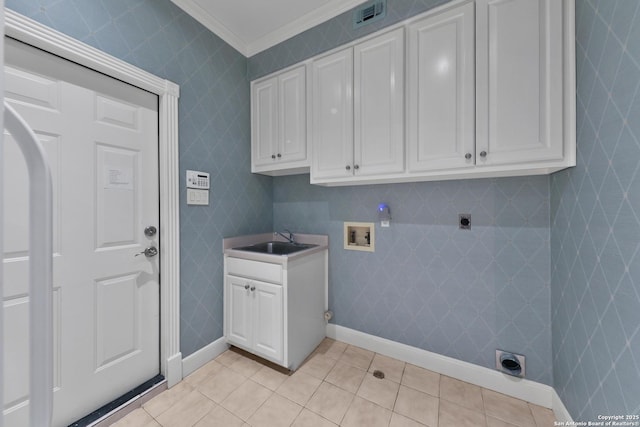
211 23
330 10
322 14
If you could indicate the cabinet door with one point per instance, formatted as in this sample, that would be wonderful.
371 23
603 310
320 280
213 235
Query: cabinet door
268 320
441 93
519 72
379 105
238 311
292 112
332 116
264 119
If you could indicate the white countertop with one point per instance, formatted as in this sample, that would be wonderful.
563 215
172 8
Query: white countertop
229 243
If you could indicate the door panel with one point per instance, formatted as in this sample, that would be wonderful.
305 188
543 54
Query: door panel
116 318
117 211
100 136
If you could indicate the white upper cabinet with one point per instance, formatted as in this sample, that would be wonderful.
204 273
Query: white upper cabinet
379 105
358 110
332 116
279 123
520 71
441 91
264 115
490 92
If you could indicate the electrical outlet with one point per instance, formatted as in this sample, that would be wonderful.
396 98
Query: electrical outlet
464 221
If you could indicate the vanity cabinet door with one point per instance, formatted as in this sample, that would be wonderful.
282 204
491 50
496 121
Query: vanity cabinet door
268 320
238 311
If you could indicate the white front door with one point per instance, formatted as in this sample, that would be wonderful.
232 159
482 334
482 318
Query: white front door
101 138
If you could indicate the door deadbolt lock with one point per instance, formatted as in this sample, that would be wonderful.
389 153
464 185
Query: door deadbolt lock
150 231
149 252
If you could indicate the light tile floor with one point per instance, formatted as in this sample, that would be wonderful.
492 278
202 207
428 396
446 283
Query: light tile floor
335 386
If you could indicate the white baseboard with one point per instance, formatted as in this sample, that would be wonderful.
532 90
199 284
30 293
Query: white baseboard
560 411
203 356
531 391
173 374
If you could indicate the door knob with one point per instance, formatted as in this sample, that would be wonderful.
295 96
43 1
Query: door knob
149 252
150 231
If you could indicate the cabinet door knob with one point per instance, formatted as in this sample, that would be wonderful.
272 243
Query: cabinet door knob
467 156
348 167
279 155
356 167
483 154
273 156
246 287
253 288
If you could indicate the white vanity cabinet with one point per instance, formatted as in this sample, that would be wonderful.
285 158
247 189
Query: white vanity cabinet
255 312
279 123
358 110
274 305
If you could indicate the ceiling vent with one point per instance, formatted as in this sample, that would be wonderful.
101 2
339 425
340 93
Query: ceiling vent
369 12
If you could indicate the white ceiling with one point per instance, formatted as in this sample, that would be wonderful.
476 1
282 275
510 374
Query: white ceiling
251 26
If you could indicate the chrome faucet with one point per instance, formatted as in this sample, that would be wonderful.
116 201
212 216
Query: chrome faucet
290 239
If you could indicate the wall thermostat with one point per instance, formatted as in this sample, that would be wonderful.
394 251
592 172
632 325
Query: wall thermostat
197 179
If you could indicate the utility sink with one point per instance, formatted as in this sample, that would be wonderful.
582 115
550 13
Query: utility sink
276 248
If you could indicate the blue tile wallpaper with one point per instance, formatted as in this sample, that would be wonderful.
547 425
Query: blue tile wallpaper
429 284
214 115
595 222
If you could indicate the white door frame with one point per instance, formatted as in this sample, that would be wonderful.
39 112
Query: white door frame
33 33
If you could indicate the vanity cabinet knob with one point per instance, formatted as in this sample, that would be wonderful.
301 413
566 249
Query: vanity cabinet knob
273 156
253 288
348 167
246 287
483 154
279 155
467 156
356 167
